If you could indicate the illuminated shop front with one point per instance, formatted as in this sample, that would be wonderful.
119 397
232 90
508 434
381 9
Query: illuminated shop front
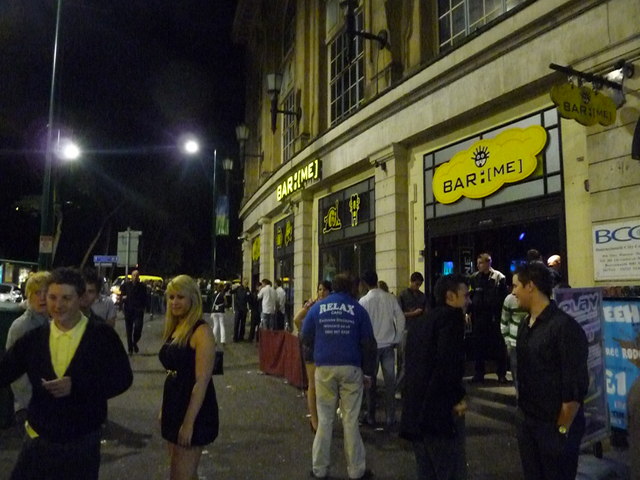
498 192
346 230
283 256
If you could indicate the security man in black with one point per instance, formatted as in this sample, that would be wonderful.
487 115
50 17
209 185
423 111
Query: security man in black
553 379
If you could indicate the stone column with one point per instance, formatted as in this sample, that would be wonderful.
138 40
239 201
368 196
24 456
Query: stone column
304 286
392 216
266 248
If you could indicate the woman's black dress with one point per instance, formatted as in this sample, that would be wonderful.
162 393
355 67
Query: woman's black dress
180 363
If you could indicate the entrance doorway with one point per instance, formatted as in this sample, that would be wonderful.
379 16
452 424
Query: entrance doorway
454 243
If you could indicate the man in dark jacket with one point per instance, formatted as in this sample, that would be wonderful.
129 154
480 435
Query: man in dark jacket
135 303
241 308
553 379
74 365
433 399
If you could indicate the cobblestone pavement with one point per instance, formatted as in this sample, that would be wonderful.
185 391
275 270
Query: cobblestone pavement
264 432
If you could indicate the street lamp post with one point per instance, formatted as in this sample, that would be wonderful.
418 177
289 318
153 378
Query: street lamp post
45 251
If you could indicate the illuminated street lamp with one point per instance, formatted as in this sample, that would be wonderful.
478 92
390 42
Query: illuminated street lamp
191 146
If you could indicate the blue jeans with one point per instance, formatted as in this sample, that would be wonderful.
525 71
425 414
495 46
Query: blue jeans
441 457
386 358
268 321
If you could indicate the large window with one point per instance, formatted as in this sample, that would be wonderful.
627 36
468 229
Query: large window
459 18
346 83
289 123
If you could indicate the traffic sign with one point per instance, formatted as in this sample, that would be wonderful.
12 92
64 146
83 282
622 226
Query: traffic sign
98 259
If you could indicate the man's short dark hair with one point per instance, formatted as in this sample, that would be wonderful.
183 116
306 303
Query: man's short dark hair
448 283
91 277
279 282
68 276
266 281
417 277
342 283
533 255
539 274
370 278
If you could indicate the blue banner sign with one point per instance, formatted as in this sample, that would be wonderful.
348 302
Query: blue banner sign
98 259
622 347
585 305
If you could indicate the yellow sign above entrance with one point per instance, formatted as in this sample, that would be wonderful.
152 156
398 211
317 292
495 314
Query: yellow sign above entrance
488 164
584 105
298 179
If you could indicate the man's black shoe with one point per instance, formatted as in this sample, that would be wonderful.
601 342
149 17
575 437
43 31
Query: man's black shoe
135 348
477 379
503 379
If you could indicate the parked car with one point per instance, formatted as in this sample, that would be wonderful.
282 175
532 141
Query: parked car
10 292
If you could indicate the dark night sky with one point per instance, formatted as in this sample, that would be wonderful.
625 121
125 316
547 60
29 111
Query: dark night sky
133 75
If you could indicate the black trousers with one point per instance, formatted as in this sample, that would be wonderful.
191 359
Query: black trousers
41 459
133 321
545 453
254 331
239 321
489 345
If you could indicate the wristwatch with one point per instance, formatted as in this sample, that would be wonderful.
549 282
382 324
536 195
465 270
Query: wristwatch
562 430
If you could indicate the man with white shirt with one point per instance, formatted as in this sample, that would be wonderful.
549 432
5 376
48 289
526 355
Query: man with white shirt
388 322
267 295
281 300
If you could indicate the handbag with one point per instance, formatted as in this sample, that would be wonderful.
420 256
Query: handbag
218 364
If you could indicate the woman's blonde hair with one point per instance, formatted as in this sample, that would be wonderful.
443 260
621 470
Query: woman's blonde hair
36 282
180 328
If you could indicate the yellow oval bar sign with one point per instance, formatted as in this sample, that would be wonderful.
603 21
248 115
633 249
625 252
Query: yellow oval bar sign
488 164
583 105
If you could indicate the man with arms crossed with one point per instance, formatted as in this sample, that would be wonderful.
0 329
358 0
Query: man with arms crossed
338 331
74 365
553 379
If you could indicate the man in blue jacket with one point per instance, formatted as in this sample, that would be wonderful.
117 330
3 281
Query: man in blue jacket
338 331
74 365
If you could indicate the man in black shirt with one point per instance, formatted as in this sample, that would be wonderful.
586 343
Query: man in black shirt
412 301
433 399
135 302
488 291
553 379
241 307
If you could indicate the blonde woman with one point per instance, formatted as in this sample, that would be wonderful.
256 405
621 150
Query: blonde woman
324 289
189 416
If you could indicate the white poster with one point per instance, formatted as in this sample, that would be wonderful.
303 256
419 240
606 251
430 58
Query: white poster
616 250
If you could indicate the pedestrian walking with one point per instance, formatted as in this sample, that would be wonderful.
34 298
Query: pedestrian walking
217 315
241 308
189 416
135 303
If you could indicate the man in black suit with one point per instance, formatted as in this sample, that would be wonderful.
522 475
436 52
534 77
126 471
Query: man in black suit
433 399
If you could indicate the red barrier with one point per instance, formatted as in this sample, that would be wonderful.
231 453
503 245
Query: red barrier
280 356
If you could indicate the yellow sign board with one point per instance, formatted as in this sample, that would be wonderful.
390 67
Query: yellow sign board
583 105
255 249
298 179
488 164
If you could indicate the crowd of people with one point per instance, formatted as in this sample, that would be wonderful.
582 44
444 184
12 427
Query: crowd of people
64 361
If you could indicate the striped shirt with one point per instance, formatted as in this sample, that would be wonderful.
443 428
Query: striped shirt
512 315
